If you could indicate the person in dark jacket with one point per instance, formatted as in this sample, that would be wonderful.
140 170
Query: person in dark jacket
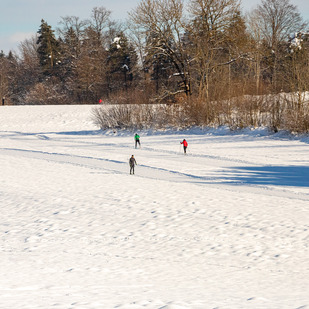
185 145
132 163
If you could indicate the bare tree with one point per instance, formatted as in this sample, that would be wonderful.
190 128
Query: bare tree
4 81
211 20
256 46
277 20
24 70
216 32
72 25
163 25
100 22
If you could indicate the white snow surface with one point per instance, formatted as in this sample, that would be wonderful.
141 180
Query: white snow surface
226 226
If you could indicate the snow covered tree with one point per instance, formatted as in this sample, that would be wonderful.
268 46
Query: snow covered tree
158 66
121 61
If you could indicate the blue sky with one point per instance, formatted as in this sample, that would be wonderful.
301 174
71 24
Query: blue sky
21 19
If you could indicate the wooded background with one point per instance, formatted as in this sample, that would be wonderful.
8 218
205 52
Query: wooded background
220 66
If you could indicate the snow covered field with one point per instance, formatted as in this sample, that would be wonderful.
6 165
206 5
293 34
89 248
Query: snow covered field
226 226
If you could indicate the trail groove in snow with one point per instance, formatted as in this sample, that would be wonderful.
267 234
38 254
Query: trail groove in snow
114 166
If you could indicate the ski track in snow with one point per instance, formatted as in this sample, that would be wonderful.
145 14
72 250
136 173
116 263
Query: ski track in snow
151 172
224 227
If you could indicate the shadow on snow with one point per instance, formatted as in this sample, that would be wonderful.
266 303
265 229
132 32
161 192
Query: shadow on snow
79 133
296 176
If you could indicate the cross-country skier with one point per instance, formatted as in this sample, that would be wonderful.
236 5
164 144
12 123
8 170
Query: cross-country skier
137 141
132 163
185 145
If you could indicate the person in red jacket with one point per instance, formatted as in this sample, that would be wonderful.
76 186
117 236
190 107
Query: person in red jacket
185 145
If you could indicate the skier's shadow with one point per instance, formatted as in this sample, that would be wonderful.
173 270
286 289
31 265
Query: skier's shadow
295 176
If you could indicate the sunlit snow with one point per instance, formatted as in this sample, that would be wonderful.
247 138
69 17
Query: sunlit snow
226 226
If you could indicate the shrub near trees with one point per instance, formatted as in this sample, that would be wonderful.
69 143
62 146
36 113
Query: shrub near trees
215 66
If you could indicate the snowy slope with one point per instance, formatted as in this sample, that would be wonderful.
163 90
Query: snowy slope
226 226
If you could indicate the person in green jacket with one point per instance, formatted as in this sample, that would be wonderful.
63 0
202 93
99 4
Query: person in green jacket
137 141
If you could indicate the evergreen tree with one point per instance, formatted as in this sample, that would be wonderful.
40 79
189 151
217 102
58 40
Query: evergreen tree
121 60
70 49
48 48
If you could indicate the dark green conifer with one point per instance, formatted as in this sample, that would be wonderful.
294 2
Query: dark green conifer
48 49
122 59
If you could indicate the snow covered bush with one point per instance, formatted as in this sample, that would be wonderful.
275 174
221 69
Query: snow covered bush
139 116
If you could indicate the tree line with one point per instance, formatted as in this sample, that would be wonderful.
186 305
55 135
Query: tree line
206 55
